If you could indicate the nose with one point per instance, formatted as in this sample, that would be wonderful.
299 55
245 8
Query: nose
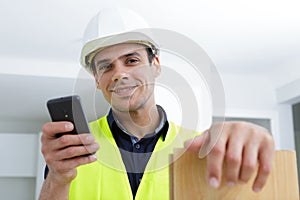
120 72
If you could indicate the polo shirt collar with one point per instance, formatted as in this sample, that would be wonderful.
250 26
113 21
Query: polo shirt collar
163 120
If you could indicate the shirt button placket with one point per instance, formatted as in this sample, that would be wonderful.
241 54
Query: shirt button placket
137 146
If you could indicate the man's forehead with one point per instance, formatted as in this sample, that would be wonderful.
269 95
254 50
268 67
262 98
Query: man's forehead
117 50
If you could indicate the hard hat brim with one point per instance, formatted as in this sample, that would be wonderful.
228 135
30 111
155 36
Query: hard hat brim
93 47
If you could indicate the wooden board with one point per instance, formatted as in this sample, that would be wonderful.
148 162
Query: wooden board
188 180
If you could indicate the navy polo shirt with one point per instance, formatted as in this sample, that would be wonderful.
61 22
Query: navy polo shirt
136 153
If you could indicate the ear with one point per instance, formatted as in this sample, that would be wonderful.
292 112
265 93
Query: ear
156 65
96 80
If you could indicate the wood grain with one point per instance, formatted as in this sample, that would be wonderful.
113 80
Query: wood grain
188 180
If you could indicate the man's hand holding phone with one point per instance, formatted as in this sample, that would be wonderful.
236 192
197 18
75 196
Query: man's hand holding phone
66 141
63 154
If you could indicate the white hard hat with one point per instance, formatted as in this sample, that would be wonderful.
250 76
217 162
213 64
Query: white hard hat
114 26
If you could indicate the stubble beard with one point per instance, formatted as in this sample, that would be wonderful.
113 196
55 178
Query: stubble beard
126 104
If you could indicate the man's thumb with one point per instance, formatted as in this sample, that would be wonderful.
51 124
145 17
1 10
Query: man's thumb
195 144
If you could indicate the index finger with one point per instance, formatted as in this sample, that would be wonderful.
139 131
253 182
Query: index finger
51 129
264 170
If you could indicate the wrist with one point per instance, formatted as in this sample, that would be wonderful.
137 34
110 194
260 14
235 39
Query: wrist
55 189
60 180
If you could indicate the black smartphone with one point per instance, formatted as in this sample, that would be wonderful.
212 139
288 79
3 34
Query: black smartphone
68 109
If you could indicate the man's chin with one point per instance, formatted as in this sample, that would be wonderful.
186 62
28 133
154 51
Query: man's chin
121 107
125 108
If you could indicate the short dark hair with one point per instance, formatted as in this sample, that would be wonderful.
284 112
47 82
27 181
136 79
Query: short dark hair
151 55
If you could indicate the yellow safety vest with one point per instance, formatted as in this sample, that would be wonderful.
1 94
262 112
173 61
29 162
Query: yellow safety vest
107 179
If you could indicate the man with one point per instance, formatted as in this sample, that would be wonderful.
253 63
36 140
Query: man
136 131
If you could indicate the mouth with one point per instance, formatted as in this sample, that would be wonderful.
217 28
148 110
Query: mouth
124 91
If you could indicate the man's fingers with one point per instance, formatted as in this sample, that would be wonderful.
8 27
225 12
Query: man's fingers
233 159
215 160
82 160
50 129
249 162
212 137
265 165
75 151
194 145
69 164
73 140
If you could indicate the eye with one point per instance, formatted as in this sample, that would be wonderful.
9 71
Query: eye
132 61
104 68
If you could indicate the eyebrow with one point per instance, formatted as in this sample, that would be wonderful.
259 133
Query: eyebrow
106 60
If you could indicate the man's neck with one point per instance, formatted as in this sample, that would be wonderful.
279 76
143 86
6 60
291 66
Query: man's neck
140 122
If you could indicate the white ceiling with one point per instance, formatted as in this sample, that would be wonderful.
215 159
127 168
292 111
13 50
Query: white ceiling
257 36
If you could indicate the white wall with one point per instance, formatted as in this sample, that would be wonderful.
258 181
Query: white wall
253 96
19 147
249 92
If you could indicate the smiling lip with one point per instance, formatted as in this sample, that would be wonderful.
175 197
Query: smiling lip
124 91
